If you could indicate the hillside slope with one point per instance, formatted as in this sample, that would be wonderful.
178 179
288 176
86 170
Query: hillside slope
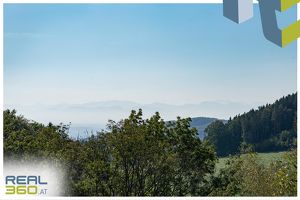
272 127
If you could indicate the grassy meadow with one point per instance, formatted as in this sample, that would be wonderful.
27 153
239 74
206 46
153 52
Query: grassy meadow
265 158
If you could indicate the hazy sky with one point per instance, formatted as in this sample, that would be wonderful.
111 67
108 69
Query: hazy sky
173 54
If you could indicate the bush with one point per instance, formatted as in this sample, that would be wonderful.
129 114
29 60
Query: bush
246 176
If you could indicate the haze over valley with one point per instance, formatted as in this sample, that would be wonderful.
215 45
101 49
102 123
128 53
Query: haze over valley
93 116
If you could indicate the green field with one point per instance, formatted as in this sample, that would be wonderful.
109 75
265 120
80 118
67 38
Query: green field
265 158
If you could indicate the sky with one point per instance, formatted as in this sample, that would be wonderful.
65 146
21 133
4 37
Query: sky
174 54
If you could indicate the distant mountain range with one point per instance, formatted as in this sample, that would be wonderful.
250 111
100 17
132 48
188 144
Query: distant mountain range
93 116
200 123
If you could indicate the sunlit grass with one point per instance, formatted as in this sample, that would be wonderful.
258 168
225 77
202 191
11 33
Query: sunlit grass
264 158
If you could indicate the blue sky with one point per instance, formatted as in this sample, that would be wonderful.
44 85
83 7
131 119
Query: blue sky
172 54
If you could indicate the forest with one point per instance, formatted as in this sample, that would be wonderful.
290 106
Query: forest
149 157
272 127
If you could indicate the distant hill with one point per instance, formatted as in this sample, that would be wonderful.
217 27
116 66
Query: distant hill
200 123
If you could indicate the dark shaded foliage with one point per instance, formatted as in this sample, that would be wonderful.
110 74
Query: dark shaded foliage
272 127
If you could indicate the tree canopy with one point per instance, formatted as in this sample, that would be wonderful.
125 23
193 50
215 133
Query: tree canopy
134 157
272 127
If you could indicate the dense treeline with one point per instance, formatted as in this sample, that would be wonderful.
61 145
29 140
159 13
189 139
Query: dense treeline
272 127
135 157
